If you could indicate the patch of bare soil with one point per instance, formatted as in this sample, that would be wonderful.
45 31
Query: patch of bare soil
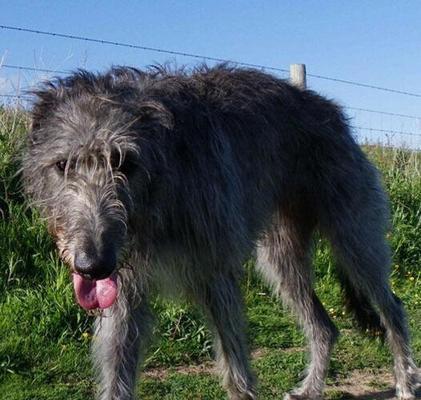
363 385
161 373
358 385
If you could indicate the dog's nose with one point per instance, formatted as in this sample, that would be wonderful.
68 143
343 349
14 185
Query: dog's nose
93 266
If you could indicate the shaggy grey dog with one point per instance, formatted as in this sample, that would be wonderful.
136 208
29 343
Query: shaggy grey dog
173 179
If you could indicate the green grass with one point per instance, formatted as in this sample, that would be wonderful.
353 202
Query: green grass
45 337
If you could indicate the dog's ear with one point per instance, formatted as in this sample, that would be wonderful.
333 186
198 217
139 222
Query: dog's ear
156 112
46 101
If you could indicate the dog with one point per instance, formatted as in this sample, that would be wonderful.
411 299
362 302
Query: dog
172 179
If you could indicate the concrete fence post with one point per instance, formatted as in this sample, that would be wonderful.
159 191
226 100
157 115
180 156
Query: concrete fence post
297 75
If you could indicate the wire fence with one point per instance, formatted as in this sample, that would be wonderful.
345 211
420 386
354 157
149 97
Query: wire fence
370 126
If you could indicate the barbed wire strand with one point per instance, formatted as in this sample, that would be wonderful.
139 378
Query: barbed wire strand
382 112
55 71
391 131
32 69
139 47
202 57
16 96
364 85
345 107
28 97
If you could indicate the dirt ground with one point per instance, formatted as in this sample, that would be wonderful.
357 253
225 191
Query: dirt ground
358 385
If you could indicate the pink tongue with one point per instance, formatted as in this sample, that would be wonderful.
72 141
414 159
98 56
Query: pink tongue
95 294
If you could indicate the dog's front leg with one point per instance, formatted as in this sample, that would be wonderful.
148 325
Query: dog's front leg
122 334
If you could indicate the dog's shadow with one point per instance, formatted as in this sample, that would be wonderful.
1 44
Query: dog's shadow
381 395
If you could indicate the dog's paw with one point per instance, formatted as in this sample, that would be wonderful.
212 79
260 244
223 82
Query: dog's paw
406 396
404 393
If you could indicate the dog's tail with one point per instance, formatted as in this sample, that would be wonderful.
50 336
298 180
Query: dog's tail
366 316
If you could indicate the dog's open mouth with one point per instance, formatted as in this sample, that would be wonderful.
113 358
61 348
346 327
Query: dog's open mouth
91 294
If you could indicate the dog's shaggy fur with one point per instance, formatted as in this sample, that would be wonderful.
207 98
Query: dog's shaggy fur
182 175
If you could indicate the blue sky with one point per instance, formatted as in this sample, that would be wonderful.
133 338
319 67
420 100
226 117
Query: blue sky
376 42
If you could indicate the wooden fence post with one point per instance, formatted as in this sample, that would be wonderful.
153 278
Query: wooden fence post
297 75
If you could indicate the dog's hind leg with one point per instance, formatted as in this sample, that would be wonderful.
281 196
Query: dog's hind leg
284 258
364 258
122 334
221 300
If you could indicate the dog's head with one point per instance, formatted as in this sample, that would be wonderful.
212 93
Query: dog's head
85 162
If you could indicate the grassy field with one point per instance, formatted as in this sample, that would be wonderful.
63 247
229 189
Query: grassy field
45 337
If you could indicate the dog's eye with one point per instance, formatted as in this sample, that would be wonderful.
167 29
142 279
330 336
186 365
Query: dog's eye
64 165
61 165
